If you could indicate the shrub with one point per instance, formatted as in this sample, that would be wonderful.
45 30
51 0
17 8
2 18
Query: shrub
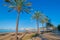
35 35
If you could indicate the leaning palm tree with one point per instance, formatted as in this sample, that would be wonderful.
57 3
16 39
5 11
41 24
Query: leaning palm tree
19 6
37 15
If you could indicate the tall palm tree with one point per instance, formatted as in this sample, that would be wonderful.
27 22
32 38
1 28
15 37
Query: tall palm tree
19 6
50 25
42 21
48 22
37 15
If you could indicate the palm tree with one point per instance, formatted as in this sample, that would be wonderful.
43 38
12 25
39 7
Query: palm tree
42 21
50 25
19 6
37 15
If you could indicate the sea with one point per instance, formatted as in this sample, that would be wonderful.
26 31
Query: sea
7 31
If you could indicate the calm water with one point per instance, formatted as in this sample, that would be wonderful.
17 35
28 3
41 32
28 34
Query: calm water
6 31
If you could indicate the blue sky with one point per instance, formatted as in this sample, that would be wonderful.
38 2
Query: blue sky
50 8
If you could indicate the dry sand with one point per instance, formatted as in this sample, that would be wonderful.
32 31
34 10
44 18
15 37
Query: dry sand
9 36
27 36
51 37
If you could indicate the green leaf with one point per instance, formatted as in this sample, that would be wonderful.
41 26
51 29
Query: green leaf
10 10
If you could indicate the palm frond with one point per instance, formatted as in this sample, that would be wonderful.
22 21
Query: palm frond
42 21
15 0
20 5
28 4
27 11
11 6
33 17
4 4
7 0
10 10
36 15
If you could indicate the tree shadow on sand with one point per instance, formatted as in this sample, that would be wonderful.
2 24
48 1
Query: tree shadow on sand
20 38
42 37
39 36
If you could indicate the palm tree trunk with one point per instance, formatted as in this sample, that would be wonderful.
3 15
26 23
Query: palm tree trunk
43 26
17 22
38 31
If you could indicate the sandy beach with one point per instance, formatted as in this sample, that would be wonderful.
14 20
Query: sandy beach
26 36
11 36
49 36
